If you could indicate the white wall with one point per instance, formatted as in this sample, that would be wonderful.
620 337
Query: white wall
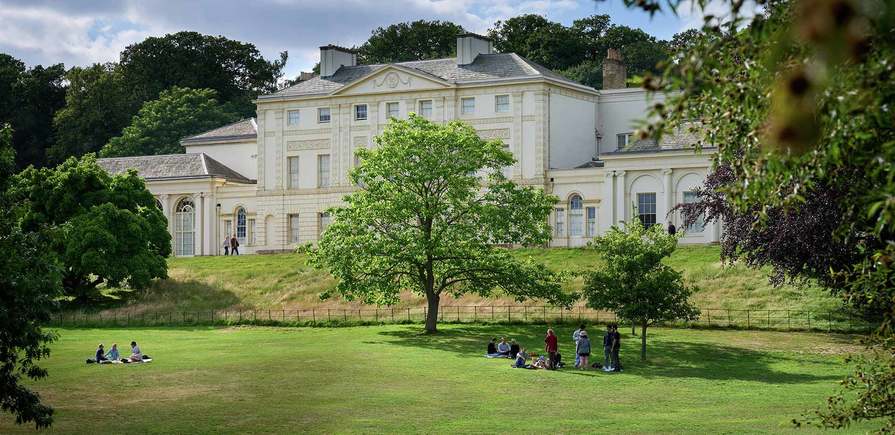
572 123
240 157
619 111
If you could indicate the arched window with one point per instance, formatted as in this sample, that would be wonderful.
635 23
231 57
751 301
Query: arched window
576 216
241 225
184 228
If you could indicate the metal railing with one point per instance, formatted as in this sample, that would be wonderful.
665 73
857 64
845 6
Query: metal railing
840 321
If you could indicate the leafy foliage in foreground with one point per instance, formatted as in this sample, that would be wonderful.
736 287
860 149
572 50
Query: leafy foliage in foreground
799 101
29 287
633 283
434 204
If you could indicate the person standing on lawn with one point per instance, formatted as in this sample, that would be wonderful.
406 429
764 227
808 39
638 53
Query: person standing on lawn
607 349
575 336
551 346
616 345
582 349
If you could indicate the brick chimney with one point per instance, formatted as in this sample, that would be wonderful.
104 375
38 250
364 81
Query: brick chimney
470 45
614 75
333 57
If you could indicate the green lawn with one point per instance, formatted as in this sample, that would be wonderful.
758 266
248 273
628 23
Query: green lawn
393 379
285 281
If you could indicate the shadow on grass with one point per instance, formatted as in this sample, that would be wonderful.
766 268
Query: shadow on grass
666 359
164 296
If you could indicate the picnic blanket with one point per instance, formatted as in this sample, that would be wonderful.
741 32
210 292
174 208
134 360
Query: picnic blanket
144 361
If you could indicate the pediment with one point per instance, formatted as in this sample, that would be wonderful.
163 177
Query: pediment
393 78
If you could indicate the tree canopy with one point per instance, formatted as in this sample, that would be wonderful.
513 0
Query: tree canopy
633 283
29 287
105 229
413 40
29 98
798 101
160 124
434 205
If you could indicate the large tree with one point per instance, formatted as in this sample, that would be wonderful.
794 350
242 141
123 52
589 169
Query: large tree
106 228
97 106
543 41
799 101
434 206
414 40
236 70
160 124
633 282
29 98
29 287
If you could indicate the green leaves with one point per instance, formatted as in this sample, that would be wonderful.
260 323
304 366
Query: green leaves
434 205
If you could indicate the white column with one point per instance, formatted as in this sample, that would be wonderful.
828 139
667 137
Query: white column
669 197
607 207
200 220
621 206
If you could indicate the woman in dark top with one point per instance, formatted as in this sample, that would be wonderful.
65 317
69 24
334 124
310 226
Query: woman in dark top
514 348
100 354
492 347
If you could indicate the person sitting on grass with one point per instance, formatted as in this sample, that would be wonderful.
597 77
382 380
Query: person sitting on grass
136 355
539 362
503 348
582 349
113 353
492 346
514 348
520 362
100 354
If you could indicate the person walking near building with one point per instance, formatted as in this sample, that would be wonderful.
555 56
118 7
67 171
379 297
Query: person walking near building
551 346
226 245
234 245
575 336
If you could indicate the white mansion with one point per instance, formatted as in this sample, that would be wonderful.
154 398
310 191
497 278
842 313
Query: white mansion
270 180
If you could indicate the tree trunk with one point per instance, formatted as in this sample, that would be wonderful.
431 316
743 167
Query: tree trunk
432 313
643 341
633 328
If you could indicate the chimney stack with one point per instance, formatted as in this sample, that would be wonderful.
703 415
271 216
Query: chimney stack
470 45
332 57
614 75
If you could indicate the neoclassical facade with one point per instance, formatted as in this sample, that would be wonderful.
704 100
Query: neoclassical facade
269 180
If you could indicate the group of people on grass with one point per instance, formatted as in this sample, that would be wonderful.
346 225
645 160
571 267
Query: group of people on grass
553 359
231 245
112 356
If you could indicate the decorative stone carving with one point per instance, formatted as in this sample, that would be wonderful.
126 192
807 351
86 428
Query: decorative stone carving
494 133
392 80
300 145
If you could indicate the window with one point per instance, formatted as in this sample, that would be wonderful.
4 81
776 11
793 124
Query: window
323 115
426 108
251 235
591 213
292 117
392 110
467 105
502 103
360 112
560 223
293 172
323 170
159 204
293 228
324 222
699 225
624 140
646 208
241 225
576 216
184 228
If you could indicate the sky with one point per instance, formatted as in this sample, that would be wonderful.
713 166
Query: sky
89 31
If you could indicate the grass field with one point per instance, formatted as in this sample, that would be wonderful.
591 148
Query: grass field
286 281
393 379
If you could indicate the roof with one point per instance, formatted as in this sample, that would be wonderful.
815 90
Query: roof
494 66
681 138
242 129
172 166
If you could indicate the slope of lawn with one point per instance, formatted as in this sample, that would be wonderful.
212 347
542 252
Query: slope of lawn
286 281
393 379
